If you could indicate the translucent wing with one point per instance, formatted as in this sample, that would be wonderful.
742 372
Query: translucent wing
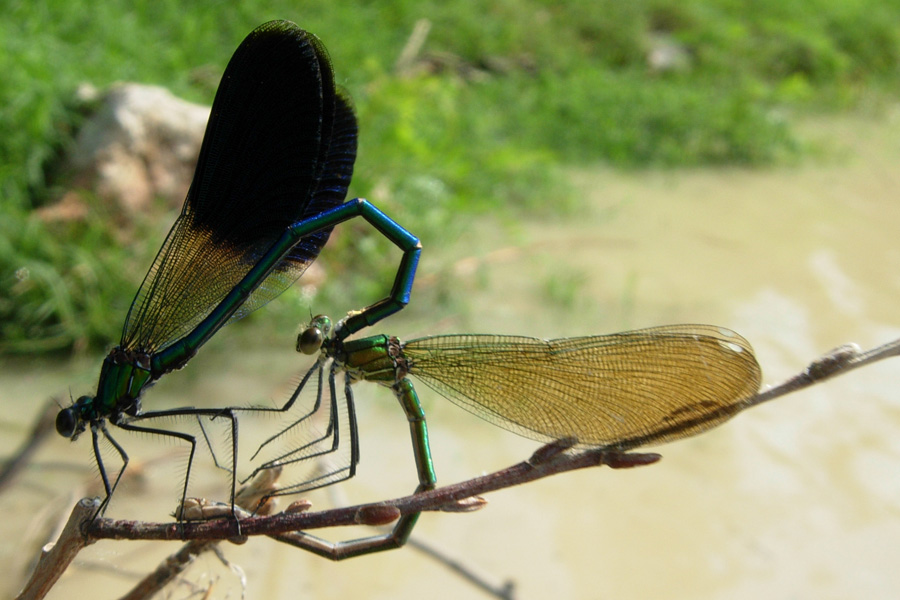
626 389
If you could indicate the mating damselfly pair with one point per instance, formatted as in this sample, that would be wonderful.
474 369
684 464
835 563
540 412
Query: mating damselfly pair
274 170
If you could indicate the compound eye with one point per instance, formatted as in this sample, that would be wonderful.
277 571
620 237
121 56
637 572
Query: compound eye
323 322
310 340
66 422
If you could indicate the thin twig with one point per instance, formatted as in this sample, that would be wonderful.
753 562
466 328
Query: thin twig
175 564
503 591
56 557
544 463
839 361
168 570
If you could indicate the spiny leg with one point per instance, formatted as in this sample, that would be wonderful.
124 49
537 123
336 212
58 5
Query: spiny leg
402 529
302 453
106 486
337 474
192 440
209 445
351 418
316 368
310 449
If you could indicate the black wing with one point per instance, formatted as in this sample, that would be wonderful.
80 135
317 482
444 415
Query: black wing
279 147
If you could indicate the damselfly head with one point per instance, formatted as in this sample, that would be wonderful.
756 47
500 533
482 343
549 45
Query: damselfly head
69 423
311 339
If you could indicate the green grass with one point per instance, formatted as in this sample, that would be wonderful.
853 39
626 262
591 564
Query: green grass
524 88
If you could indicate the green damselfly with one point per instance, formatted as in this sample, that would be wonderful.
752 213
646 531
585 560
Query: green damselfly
619 391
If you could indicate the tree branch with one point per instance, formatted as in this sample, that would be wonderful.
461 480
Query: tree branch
549 460
57 556
839 361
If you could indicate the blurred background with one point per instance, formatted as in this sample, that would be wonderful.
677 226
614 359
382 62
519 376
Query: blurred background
571 168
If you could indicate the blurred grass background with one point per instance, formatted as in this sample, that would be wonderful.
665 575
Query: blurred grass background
519 91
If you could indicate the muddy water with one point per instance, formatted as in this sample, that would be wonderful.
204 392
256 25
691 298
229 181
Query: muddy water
798 498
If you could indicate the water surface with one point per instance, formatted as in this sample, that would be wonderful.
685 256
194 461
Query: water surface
798 498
